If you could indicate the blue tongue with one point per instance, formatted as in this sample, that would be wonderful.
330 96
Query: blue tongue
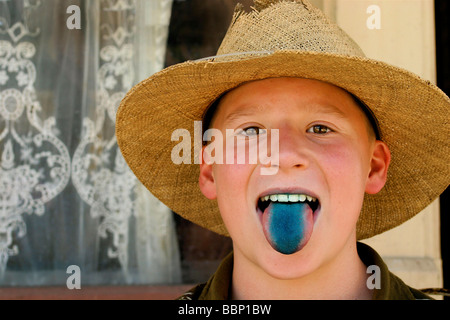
286 225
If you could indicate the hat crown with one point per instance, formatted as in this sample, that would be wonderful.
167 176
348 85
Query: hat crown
275 25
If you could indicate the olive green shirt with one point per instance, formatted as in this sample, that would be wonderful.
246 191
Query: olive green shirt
391 287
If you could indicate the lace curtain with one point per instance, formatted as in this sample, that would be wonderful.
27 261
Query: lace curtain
66 195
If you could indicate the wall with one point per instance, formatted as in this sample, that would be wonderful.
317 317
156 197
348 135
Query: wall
402 33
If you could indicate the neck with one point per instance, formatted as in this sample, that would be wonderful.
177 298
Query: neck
342 278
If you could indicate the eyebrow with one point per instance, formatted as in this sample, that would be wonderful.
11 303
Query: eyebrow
241 113
373 126
328 109
313 108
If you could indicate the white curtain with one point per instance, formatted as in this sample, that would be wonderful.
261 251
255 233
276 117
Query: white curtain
67 196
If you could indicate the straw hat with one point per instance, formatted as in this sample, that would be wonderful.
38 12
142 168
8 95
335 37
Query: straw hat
289 38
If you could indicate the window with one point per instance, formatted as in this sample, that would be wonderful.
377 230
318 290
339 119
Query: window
67 197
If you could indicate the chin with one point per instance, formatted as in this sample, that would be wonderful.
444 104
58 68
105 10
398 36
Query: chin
287 266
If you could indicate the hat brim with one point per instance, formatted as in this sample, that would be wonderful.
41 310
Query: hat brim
412 115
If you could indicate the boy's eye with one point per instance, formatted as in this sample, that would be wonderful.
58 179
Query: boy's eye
319 129
251 131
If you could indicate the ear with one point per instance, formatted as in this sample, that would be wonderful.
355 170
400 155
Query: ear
206 180
381 158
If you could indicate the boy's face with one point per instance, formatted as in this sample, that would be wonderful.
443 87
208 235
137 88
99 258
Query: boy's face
325 151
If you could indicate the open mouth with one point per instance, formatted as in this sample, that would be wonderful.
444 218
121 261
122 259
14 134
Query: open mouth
287 219
264 202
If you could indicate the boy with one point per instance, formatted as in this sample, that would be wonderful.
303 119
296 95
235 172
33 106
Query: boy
352 154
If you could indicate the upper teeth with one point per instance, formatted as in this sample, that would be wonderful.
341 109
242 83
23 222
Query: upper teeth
288 198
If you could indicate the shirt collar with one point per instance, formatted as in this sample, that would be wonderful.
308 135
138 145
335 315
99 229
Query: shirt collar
391 287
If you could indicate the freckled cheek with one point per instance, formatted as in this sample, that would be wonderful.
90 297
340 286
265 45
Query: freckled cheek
343 169
344 200
232 177
232 199
232 187
342 162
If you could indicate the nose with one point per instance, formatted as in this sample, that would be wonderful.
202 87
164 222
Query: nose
292 148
